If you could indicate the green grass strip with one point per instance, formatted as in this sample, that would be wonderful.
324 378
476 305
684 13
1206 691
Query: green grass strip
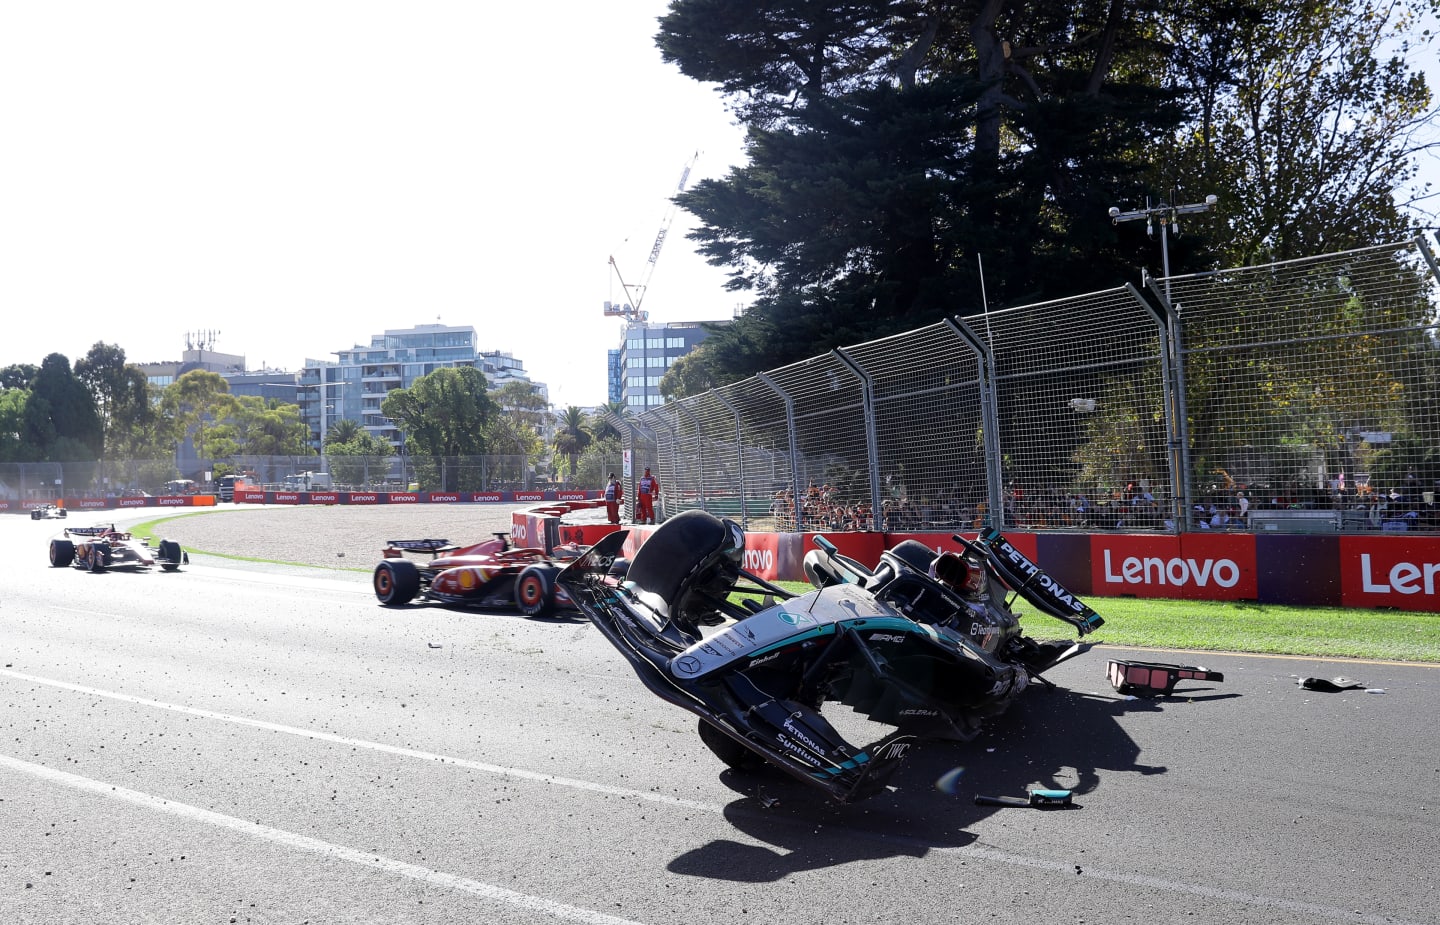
1224 626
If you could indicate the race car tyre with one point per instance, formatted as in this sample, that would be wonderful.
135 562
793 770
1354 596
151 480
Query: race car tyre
35 514
396 582
914 554
169 555
62 553
95 558
535 590
728 750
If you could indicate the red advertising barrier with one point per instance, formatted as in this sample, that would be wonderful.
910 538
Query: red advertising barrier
1191 566
1390 571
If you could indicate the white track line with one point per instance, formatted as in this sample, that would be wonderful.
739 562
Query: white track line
502 770
325 849
976 851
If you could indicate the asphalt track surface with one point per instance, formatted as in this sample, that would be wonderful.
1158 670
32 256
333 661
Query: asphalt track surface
238 742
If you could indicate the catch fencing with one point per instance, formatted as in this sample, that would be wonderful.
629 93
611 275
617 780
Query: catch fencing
46 481
1301 396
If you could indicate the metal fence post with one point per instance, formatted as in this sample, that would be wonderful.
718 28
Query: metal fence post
739 456
1175 351
994 479
872 445
1173 403
796 494
682 408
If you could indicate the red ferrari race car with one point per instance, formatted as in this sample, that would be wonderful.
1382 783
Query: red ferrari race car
103 549
490 574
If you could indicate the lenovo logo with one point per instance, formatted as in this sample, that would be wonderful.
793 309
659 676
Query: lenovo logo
404 498
1153 570
436 496
529 496
1403 577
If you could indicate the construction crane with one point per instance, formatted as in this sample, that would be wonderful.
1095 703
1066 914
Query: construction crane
635 295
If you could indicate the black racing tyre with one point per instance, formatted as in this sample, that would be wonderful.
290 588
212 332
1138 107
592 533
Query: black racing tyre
396 582
35 514
62 553
95 562
62 513
728 750
914 554
168 555
535 590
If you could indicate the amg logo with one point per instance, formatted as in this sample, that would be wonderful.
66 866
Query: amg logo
886 637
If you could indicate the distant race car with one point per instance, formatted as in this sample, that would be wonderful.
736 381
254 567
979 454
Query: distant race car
47 512
103 549
490 574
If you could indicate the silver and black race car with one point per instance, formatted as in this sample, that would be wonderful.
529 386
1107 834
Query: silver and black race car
106 548
47 512
924 643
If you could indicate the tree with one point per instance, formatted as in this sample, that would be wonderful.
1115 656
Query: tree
520 401
60 419
1310 129
342 431
891 142
356 459
260 427
17 376
444 414
198 402
12 424
571 438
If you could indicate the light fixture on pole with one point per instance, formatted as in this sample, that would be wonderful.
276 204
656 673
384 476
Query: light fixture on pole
1168 216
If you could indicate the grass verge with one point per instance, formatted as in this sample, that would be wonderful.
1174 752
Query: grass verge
1218 626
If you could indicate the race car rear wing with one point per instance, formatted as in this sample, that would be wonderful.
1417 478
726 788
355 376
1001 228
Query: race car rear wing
1031 582
432 547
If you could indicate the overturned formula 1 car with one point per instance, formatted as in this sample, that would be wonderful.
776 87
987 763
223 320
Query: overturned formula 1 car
924 643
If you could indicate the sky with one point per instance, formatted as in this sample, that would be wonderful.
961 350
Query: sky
298 176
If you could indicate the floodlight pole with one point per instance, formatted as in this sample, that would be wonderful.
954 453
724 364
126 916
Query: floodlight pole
1167 215
1175 387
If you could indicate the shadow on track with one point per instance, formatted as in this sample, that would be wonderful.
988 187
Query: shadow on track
1056 739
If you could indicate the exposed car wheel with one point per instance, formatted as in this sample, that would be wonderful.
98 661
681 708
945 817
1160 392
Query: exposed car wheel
95 558
169 555
62 553
535 590
35 515
728 750
396 582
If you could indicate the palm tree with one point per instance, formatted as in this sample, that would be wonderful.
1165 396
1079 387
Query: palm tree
343 431
601 428
572 438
